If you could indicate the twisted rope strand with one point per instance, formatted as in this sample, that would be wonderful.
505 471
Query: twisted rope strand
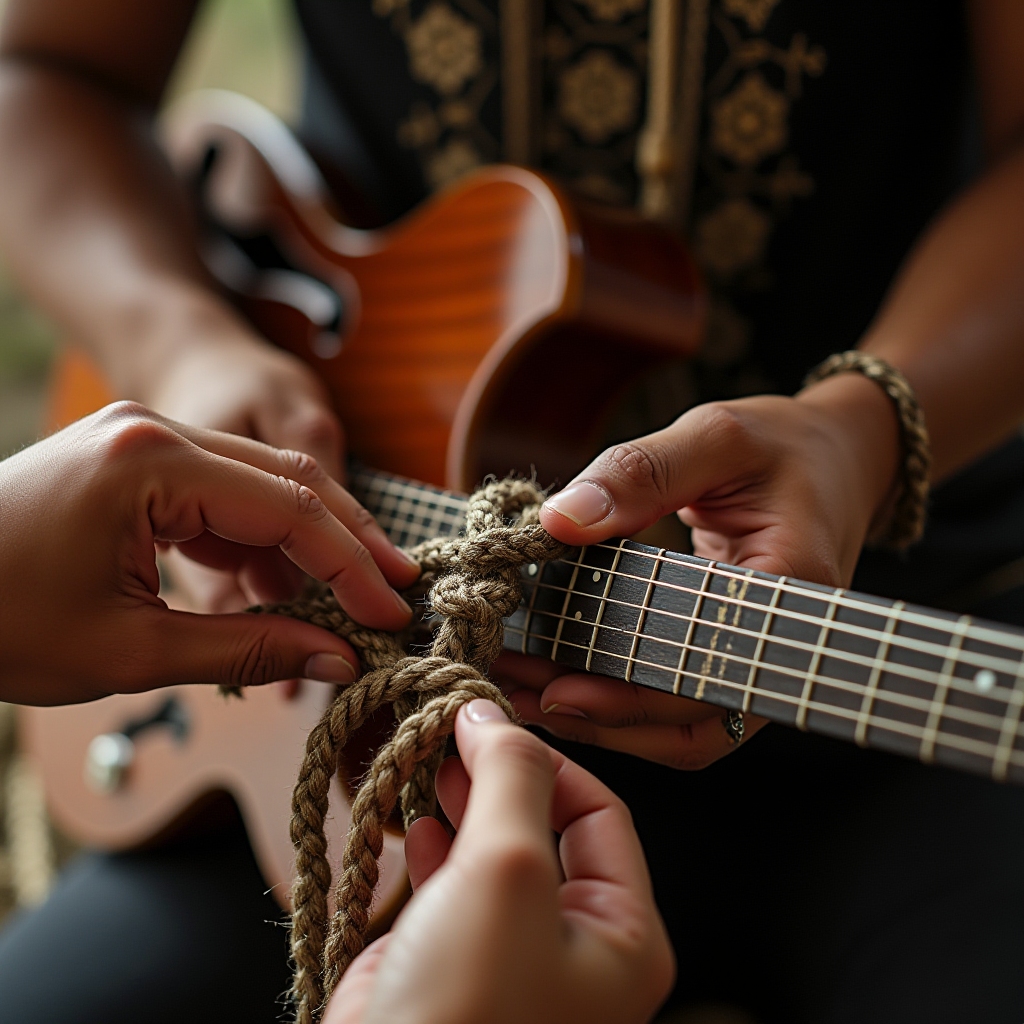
476 585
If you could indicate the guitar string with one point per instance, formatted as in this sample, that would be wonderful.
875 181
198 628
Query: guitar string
411 496
972 659
968 716
976 659
981 747
840 597
1009 639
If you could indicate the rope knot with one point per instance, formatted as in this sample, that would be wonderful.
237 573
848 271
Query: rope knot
476 584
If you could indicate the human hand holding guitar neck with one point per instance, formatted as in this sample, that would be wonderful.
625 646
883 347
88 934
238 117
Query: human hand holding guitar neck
81 514
502 927
783 485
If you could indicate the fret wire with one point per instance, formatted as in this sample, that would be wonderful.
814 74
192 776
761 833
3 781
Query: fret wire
850 657
949 739
529 604
642 618
907 643
966 715
456 511
812 669
938 701
686 646
860 735
1011 640
565 608
604 600
1010 731
766 628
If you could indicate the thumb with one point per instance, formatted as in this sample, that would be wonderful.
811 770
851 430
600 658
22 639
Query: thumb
241 650
630 486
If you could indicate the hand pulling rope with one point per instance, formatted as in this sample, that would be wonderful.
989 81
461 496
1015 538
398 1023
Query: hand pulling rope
476 585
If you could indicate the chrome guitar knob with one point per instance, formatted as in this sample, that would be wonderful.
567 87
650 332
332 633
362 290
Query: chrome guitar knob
107 760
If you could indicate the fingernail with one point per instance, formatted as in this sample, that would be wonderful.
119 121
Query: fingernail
402 603
485 711
584 502
563 709
331 668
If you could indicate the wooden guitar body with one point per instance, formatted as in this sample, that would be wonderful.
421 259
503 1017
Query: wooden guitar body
489 330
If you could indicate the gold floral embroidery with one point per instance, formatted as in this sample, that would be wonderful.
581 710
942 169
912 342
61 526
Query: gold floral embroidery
444 49
457 158
454 53
593 64
598 97
754 12
750 123
732 237
612 10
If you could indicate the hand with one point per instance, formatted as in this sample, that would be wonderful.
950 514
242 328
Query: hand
81 514
502 928
244 386
784 485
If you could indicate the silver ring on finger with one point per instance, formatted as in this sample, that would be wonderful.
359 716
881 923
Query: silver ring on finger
734 725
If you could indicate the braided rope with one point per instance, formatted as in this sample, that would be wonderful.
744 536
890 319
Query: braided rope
909 510
476 585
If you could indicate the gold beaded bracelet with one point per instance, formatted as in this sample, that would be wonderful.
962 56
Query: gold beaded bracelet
909 505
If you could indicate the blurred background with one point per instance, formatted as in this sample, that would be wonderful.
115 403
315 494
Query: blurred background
245 45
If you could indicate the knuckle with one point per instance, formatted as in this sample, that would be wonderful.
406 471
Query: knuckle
301 467
316 429
519 865
359 563
639 463
306 502
256 660
134 432
364 519
723 425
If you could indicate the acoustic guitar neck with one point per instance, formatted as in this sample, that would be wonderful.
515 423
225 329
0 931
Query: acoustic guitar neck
926 684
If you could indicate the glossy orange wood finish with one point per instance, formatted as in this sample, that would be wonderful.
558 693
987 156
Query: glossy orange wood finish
447 304
487 331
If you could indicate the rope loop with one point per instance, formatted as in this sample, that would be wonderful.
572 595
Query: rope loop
476 584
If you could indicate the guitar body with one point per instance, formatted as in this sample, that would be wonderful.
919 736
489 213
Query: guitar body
489 330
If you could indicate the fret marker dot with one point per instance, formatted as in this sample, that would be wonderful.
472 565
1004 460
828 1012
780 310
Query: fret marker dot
985 680
532 568
597 577
578 615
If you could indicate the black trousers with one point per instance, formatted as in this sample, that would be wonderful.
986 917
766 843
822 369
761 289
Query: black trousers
804 880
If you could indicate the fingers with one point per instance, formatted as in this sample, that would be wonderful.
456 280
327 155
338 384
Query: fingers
630 486
396 566
232 650
598 843
240 503
618 704
426 846
507 817
352 996
686 747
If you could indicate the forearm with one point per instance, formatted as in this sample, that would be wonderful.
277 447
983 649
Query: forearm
96 227
954 320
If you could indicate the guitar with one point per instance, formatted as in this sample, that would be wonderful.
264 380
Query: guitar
926 684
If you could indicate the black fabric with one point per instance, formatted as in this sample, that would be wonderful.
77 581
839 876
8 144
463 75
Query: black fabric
185 933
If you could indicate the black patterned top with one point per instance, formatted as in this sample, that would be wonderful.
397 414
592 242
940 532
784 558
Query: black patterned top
826 135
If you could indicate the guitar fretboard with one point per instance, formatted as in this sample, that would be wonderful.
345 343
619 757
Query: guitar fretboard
927 684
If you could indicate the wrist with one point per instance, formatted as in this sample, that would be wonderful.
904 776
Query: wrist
156 335
863 421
